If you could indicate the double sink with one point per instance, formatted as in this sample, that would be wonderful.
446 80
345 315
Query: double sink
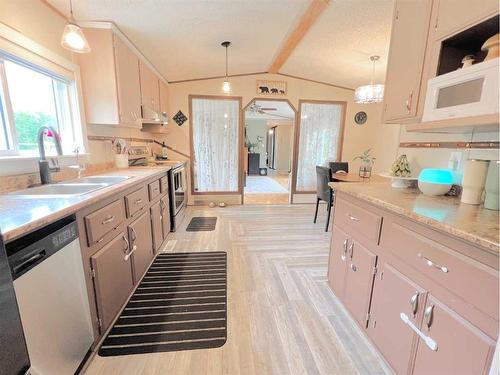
70 188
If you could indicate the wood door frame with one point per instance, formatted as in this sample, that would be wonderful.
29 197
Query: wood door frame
295 125
240 145
340 140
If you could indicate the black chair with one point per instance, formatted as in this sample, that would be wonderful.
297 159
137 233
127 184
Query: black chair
337 166
323 191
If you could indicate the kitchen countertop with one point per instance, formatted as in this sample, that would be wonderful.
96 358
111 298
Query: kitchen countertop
468 222
19 215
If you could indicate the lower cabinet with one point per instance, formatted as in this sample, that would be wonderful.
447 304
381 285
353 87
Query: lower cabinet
394 294
156 226
141 245
165 215
461 347
350 274
113 281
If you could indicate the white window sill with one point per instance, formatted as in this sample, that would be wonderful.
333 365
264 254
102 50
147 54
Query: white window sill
17 164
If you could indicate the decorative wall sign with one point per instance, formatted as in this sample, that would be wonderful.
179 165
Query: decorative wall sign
180 118
265 87
360 118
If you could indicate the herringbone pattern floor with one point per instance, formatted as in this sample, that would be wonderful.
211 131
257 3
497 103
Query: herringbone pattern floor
282 316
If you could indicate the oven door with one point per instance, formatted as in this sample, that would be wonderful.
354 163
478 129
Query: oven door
179 187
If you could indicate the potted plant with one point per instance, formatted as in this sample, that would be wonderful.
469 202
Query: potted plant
365 170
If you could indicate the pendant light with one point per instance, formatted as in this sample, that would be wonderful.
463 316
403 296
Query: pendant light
73 37
226 85
370 93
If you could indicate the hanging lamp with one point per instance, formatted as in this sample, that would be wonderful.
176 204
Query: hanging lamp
370 93
226 85
72 36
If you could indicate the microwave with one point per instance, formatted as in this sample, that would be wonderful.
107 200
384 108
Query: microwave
471 91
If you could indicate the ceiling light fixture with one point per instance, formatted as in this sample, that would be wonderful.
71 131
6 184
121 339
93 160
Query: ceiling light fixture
370 93
73 37
226 85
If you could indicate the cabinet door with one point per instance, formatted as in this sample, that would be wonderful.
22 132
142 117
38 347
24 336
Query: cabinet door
455 15
165 215
150 92
129 89
461 347
406 59
141 245
163 97
338 262
156 226
359 281
113 280
394 294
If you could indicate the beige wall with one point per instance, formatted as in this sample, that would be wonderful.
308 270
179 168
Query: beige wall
284 147
256 128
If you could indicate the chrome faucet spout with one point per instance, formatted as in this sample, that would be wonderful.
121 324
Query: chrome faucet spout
43 164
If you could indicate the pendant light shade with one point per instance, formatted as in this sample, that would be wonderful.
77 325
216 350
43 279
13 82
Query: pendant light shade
372 93
226 85
73 37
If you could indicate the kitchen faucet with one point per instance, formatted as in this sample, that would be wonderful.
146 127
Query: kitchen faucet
43 163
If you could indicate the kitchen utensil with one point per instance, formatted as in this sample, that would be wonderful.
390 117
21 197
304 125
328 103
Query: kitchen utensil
473 181
492 188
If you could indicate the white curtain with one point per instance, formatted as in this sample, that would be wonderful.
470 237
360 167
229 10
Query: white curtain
215 143
319 140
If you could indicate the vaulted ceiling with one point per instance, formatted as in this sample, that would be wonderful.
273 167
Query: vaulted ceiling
181 38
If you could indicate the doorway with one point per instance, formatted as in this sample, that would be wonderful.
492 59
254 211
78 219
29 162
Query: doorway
269 126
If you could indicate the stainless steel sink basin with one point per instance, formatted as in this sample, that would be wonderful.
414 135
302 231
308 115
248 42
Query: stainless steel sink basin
59 190
110 180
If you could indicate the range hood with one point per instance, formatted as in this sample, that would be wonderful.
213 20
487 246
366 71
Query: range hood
152 117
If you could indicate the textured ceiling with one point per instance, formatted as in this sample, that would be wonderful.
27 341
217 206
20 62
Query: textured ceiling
283 110
181 38
338 46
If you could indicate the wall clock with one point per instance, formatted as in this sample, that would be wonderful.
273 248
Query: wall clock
360 118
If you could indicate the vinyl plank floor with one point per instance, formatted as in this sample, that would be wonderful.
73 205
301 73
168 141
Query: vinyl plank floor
282 316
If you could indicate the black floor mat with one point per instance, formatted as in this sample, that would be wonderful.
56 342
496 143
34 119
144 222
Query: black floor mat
201 224
181 304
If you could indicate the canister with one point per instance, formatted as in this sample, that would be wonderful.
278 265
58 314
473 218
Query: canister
473 180
492 198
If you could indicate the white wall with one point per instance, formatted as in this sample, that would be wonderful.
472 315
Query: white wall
258 128
284 144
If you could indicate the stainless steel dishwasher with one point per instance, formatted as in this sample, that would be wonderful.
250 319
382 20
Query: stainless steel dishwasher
49 283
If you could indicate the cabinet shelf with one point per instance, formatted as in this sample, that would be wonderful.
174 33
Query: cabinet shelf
478 124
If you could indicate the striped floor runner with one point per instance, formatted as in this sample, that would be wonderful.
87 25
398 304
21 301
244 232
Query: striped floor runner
180 304
201 224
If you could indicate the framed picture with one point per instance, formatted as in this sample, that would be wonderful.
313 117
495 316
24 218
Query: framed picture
265 87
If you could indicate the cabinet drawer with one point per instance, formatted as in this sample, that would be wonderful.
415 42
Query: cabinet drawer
357 222
472 281
154 189
103 221
136 201
164 185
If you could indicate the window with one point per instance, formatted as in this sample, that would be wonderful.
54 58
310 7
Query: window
215 143
32 97
321 127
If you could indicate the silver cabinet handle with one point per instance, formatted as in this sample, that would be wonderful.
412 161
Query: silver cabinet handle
127 244
414 303
108 220
428 340
431 263
351 249
127 256
428 315
344 254
134 234
408 102
138 201
352 218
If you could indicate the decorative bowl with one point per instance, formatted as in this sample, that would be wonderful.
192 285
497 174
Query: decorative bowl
435 181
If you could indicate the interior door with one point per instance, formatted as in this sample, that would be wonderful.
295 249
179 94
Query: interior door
337 265
393 294
462 349
156 226
113 280
359 281
141 245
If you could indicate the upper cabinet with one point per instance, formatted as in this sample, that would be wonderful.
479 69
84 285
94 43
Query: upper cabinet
164 103
110 81
150 93
429 39
406 59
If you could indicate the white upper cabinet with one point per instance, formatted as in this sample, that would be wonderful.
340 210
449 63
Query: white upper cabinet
150 93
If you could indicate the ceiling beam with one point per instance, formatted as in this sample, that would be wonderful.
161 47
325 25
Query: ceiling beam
306 21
